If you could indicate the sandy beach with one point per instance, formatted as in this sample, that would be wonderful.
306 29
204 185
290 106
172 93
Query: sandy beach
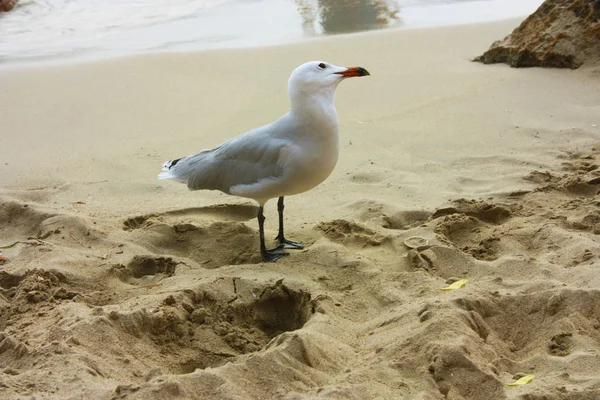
118 285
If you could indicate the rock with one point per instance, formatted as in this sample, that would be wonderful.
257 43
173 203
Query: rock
560 34
7 5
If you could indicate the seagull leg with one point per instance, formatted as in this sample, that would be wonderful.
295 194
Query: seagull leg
283 242
267 254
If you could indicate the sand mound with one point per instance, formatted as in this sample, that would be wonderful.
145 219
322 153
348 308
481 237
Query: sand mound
561 33
172 305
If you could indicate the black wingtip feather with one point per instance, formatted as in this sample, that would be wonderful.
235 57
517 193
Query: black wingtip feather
174 162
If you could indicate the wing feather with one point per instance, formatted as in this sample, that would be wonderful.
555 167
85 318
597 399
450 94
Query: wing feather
244 160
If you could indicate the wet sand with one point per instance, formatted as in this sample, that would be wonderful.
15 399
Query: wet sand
121 286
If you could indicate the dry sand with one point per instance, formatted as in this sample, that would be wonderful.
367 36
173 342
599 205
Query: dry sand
121 286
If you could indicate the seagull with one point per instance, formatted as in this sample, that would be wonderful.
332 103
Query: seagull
289 156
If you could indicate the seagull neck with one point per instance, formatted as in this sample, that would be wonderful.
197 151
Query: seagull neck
316 105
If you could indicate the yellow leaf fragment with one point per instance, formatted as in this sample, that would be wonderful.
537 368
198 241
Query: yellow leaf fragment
455 285
522 381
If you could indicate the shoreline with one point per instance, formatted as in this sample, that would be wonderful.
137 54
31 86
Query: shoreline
220 27
62 61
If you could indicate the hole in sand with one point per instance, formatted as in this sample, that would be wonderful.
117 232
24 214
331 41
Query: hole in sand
135 222
404 220
141 266
209 328
145 269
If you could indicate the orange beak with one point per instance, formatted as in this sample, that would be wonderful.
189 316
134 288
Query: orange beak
354 71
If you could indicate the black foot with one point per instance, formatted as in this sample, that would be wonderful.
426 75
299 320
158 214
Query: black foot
270 255
288 244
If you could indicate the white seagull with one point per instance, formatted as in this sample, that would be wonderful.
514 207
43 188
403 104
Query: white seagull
289 156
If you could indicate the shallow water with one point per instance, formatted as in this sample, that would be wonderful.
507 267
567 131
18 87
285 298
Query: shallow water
38 29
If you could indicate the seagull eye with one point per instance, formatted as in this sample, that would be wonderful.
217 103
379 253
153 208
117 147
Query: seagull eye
322 66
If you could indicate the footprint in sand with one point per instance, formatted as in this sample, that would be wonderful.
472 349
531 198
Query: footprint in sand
352 233
212 244
482 210
212 236
469 225
388 216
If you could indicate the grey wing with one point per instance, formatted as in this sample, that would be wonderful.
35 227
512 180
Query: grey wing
244 160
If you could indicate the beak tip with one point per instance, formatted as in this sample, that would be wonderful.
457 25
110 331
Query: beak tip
350 72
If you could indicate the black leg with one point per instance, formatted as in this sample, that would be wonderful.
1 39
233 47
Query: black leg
283 242
272 254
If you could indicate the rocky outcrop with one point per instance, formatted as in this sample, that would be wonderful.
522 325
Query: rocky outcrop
7 5
560 34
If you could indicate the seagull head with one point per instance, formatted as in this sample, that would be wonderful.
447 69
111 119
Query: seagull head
320 76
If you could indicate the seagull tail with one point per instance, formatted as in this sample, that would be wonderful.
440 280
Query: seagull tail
182 169
169 173
165 175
